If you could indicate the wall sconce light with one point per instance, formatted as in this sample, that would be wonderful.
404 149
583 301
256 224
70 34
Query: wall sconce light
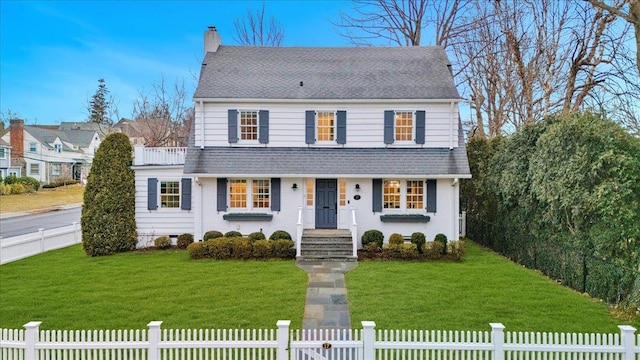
295 186
357 187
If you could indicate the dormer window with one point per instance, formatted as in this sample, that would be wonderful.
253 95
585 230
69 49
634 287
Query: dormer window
57 148
325 126
248 125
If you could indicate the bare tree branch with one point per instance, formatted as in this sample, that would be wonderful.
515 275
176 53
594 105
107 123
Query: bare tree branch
253 30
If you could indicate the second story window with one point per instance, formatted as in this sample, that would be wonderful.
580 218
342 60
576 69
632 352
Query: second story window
248 125
33 147
326 126
57 148
3 153
404 126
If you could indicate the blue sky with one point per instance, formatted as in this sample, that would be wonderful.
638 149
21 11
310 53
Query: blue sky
52 53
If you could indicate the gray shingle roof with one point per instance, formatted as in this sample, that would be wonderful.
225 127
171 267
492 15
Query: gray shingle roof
247 72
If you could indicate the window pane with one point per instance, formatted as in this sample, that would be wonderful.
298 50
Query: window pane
261 194
325 126
415 194
34 169
169 194
238 193
342 191
310 191
391 194
404 126
248 125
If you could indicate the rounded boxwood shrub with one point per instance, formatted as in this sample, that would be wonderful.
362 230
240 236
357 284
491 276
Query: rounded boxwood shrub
197 250
372 236
232 233
262 249
442 238
184 240
257 236
418 239
396 239
432 250
283 249
280 234
212 234
163 242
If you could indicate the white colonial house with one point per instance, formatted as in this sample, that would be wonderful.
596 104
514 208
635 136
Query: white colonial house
299 138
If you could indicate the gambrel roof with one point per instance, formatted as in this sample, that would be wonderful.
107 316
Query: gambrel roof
336 73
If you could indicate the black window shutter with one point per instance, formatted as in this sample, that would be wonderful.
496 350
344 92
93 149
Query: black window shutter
310 126
420 115
152 193
275 194
377 195
389 116
222 194
263 132
185 196
342 127
233 126
431 195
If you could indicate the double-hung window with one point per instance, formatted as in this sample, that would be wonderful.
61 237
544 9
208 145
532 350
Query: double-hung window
404 127
57 148
34 169
248 126
33 147
403 124
325 126
3 153
249 194
55 169
169 194
403 195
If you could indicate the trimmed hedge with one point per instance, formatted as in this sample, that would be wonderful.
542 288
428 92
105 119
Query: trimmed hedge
241 248
280 234
232 233
431 250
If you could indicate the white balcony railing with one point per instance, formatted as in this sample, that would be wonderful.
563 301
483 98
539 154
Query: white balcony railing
159 155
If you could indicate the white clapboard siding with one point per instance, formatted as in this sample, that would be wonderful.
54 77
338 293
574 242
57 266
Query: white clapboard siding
365 123
161 222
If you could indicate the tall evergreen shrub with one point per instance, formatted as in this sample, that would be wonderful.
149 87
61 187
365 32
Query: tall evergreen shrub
108 214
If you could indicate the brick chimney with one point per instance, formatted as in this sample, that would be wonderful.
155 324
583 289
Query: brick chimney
212 40
16 138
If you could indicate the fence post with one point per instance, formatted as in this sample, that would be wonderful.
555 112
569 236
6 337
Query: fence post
463 228
31 339
75 232
282 337
497 338
41 232
628 341
368 340
154 339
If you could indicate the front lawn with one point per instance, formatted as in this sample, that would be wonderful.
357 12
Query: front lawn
42 199
65 289
469 295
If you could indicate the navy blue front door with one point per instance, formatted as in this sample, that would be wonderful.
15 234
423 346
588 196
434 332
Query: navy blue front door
326 203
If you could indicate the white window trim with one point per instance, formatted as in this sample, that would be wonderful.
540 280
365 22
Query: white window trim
335 128
35 146
55 169
413 128
249 195
403 198
57 148
3 153
31 169
159 200
247 141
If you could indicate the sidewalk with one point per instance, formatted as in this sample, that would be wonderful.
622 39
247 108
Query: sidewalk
326 304
8 215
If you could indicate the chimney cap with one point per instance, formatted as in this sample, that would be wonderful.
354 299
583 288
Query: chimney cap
212 28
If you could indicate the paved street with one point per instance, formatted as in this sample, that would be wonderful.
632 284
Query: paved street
28 223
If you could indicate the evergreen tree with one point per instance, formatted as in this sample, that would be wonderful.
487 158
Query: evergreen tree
108 215
99 105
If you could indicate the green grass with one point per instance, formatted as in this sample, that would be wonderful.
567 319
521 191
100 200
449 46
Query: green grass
66 289
485 288
69 290
42 199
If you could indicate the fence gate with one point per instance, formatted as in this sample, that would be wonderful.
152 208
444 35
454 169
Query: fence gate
326 344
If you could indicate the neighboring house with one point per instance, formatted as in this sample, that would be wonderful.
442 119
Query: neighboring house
147 132
6 168
48 154
311 138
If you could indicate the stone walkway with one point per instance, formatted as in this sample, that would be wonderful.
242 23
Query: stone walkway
326 305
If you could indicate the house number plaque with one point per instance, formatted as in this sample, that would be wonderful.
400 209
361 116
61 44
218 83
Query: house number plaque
326 346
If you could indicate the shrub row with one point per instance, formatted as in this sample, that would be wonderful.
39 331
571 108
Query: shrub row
243 248
60 182
417 249
254 236
18 185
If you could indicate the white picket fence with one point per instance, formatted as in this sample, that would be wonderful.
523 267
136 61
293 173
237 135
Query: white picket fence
285 343
23 246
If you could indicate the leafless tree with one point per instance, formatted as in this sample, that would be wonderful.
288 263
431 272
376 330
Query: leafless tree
630 15
403 22
164 114
253 29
